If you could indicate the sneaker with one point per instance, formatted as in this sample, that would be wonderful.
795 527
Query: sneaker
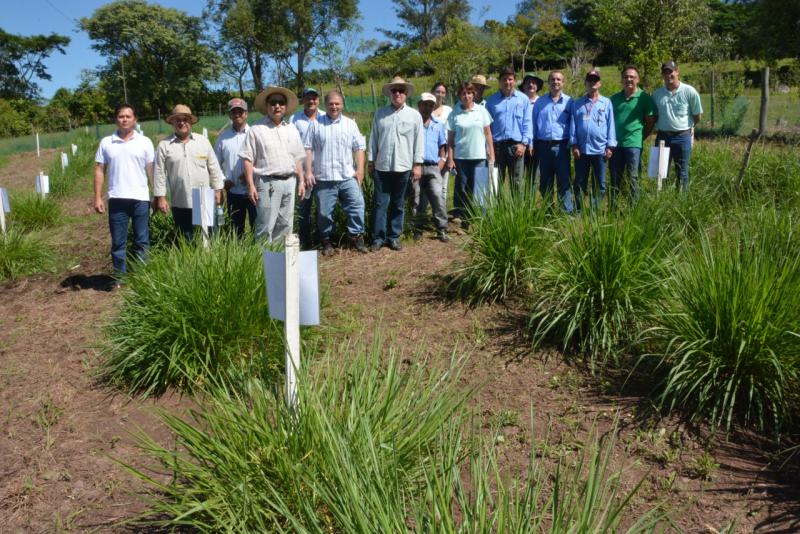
441 235
375 246
327 248
394 244
464 225
358 243
456 219
417 235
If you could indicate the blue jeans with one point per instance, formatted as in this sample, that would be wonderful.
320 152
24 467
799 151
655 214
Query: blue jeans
597 164
465 185
626 160
304 218
554 163
349 195
680 150
120 212
240 208
389 196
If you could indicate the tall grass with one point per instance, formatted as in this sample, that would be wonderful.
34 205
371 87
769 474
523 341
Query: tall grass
80 168
507 241
728 324
189 316
375 448
32 212
22 254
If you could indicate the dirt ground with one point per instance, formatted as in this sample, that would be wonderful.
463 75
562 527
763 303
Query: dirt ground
61 434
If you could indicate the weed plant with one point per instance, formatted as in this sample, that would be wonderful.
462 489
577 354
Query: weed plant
508 239
374 448
79 170
30 211
594 290
728 324
22 254
189 315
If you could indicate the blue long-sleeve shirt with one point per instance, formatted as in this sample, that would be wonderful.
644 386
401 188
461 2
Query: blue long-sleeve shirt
592 129
551 118
511 116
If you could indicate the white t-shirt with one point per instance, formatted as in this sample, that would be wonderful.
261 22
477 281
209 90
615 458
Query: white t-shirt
125 163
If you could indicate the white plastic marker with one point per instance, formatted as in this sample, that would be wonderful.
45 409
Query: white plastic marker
658 166
5 207
74 149
205 133
293 296
64 161
42 184
203 210
37 144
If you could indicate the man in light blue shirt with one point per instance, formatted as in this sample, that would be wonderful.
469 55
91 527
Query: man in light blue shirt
511 127
593 137
428 189
551 122
227 149
301 120
332 142
396 149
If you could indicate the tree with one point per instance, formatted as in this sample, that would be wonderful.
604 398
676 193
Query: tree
158 53
425 20
22 59
540 23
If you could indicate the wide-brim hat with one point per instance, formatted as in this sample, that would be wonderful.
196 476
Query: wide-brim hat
261 100
397 81
181 110
528 77
479 79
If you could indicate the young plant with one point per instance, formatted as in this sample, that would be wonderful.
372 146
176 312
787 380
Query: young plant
31 212
22 254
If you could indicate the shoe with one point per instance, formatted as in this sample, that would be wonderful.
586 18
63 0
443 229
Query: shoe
456 219
441 235
375 246
394 244
417 235
464 225
327 248
358 243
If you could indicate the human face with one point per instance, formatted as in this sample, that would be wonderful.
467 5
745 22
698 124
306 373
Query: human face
556 82
630 80
333 106
182 125
671 77
593 84
467 99
440 93
276 108
531 88
398 96
238 118
425 108
126 120
507 84
311 103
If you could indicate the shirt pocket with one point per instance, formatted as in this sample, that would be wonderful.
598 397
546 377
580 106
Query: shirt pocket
405 129
201 162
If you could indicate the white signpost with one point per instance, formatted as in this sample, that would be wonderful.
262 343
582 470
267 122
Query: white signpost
205 133
37 144
203 210
5 207
64 161
293 296
658 165
42 184
74 149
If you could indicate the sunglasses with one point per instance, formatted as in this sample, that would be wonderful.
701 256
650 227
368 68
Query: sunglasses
181 120
276 102
400 90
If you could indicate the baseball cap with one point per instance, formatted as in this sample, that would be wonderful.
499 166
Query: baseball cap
427 97
669 65
237 103
309 91
592 74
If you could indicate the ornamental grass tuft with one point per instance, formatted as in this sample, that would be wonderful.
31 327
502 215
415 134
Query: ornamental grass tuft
22 254
31 212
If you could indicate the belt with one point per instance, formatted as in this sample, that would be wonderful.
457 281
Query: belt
551 141
277 176
675 133
430 163
508 142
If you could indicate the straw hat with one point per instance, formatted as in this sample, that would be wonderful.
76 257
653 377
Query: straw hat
181 110
397 81
261 100
479 79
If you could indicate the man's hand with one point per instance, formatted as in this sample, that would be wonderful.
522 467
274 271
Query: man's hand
530 151
252 194
371 168
607 154
310 179
576 152
360 177
217 197
161 204
228 185
519 150
99 205
301 188
440 165
417 172
451 164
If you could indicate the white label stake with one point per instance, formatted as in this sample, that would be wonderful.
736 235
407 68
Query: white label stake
42 184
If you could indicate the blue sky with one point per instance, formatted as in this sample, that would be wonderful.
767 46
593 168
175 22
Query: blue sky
30 17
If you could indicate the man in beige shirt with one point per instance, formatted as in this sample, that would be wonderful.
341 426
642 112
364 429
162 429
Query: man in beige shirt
184 161
271 154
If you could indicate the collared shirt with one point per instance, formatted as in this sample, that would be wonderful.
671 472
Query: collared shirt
629 116
397 141
227 149
183 166
592 127
551 118
469 139
302 122
435 137
511 117
333 143
125 165
273 149
676 108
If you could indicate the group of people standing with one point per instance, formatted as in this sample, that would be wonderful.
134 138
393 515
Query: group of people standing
265 167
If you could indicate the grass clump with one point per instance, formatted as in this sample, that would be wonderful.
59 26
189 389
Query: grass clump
728 324
80 168
22 254
189 315
508 239
31 211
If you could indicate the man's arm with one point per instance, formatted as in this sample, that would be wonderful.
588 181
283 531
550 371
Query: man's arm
649 126
160 179
309 175
252 193
359 157
99 178
696 119
451 164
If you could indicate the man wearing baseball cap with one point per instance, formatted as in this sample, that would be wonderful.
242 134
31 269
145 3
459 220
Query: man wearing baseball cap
302 120
678 109
428 188
227 149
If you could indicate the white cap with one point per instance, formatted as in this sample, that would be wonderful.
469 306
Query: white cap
427 97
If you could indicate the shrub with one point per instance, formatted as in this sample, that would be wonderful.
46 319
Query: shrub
29 211
727 325
191 314
22 254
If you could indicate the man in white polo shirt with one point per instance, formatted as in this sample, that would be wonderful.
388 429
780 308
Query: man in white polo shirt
227 147
126 157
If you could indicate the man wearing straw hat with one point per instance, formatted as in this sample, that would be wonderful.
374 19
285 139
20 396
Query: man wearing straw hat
272 153
184 161
396 149
479 81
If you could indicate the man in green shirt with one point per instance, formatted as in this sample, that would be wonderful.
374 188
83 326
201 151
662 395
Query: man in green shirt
634 118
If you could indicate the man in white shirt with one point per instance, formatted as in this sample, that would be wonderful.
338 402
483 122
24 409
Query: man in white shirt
302 120
227 149
126 156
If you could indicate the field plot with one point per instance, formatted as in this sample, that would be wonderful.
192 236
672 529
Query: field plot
432 390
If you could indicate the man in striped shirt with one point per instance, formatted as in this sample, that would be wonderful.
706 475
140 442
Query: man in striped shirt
333 142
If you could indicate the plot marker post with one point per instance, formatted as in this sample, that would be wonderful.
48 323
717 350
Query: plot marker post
661 154
292 320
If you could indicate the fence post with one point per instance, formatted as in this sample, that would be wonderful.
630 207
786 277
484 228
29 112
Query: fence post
713 94
292 319
374 99
762 119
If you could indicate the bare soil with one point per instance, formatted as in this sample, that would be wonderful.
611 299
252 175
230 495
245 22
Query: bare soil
62 434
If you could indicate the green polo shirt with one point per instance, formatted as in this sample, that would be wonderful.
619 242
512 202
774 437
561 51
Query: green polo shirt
676 108
629 115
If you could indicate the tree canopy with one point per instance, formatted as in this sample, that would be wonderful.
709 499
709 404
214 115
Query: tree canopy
22 61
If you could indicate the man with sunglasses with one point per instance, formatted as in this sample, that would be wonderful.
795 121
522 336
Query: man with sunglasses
227 149
396 149
272 153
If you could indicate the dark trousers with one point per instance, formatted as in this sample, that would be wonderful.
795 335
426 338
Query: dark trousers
120 212
508 163
240 208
